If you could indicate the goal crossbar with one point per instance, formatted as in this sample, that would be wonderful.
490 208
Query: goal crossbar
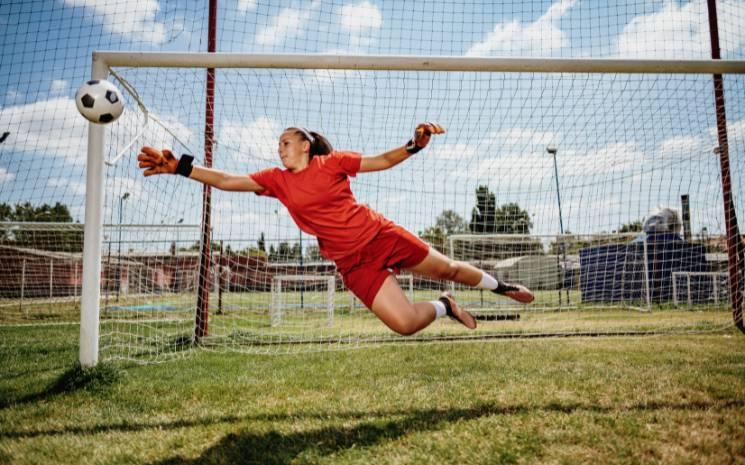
416 63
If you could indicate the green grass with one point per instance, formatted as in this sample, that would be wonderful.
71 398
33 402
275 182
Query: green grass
661 399
182 305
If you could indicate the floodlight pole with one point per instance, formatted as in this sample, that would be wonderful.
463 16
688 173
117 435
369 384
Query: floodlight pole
553 151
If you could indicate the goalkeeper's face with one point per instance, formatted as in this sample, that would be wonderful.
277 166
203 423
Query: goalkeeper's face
293 151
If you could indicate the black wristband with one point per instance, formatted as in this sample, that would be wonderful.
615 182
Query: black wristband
412 148
184 165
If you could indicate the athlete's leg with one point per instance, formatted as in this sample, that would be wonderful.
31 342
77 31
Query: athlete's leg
406 318
438 266
395 310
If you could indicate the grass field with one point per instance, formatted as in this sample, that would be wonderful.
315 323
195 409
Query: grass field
659 399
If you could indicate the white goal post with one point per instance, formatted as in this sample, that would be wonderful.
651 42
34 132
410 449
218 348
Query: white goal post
278 302
714 279
103 61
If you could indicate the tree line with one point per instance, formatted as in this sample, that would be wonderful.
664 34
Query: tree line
60 240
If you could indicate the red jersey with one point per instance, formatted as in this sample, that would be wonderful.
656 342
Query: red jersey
321 202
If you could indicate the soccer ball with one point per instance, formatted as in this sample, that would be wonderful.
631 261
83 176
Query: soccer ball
99 101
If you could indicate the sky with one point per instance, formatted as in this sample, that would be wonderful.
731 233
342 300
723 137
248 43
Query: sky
627 144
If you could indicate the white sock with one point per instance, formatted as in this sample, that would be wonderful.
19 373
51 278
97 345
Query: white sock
440 309
487 282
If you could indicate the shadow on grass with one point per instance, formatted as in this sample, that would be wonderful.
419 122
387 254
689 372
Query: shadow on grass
279 448
373 428
77 378
274 447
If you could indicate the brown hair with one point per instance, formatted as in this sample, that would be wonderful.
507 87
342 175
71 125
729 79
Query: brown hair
319 145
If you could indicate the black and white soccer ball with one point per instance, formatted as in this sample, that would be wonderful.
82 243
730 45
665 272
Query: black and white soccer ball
99 101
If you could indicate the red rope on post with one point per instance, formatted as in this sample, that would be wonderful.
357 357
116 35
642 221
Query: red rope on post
202 314
734 245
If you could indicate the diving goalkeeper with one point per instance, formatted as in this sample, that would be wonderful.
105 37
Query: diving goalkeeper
368 248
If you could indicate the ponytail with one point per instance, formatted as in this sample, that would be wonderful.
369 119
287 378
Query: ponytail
319 145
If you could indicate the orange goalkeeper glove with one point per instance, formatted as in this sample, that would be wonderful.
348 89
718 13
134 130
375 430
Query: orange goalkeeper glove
422 134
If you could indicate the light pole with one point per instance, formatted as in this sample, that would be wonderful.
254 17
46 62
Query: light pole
553 151
122 198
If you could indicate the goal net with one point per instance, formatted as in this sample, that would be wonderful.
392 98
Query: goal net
593 152
488 193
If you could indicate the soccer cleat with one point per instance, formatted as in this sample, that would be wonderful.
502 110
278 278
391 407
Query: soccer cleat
515 292
456 313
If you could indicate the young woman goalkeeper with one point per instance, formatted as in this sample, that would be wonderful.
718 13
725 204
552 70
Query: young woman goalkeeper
367 247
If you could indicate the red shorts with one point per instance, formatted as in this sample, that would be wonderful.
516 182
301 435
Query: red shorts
392 248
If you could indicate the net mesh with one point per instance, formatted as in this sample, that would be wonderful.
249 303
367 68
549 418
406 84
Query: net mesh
486 192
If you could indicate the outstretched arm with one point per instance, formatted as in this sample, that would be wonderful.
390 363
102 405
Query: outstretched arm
155 161
393 157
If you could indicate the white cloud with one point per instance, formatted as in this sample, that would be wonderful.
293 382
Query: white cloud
326 80
122 18
118 185
69 186
517 141
452 151
361 21
674 31
258 138
13 96
289 23
58 86
360 17
735 132
683 146
155 135
540 38
54 128
247 5
521 138
48 128
6 176
680 31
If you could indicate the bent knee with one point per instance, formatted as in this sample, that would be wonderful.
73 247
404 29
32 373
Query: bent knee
405 328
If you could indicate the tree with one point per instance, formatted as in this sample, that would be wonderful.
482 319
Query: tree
262 243
486 218
56 240
284 253
635 226
450 223
446 224
511 219
435 237
483 214
313 253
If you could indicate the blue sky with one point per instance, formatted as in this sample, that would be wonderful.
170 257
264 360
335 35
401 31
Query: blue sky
627 144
